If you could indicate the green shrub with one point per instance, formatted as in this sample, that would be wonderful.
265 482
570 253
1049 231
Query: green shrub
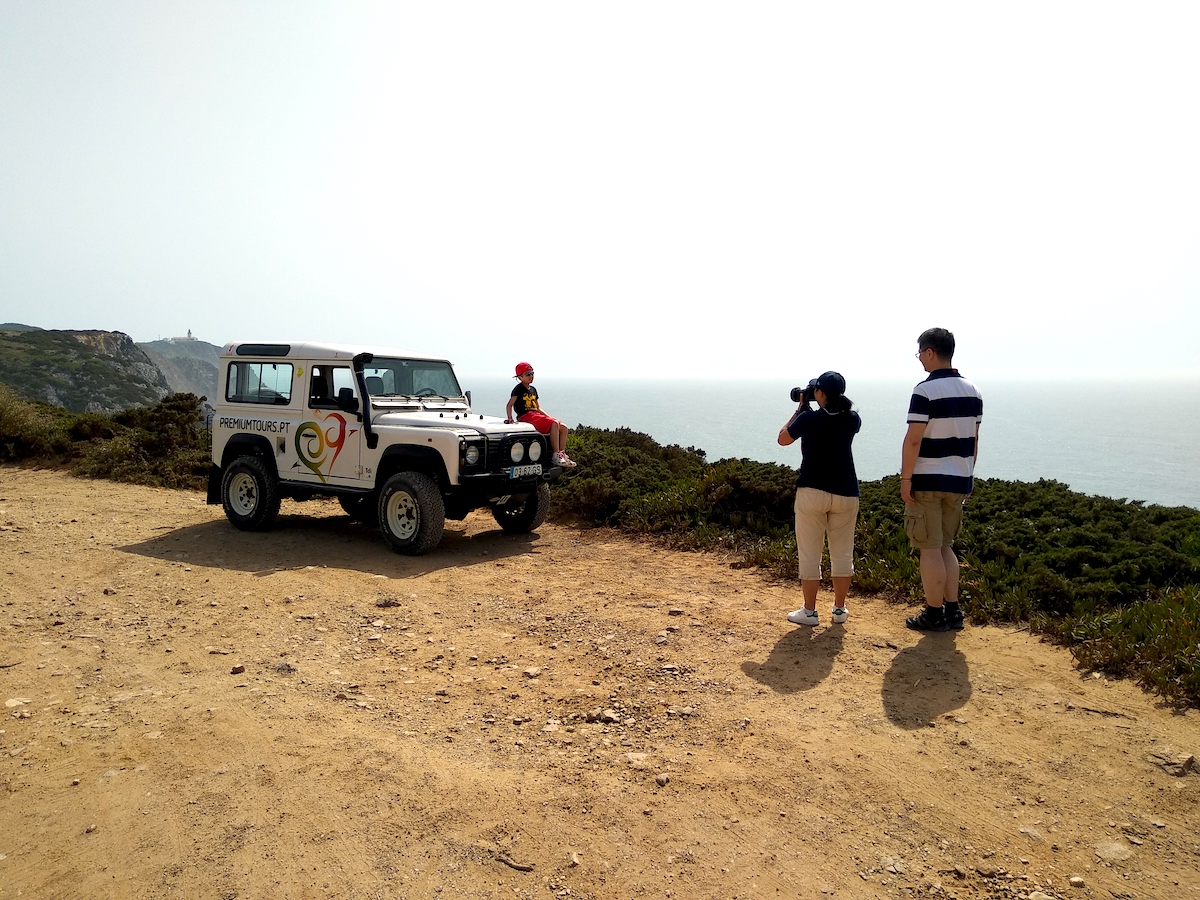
163 445
1156 640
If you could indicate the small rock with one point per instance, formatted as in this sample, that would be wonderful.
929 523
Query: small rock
237 670
1114 850
90 829
662 778
675 611
1032 833
574 860
533 671
1177 764
1076 881
1039 895
1158 824
987 871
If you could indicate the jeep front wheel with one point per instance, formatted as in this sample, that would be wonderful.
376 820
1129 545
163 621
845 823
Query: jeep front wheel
411 513
526 515
249 494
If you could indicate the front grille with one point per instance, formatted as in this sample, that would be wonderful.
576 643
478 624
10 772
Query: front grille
498 448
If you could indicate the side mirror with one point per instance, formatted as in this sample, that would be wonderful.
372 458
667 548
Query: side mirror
468 396
346 400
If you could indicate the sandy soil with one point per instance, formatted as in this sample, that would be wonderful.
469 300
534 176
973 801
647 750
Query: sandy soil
191 711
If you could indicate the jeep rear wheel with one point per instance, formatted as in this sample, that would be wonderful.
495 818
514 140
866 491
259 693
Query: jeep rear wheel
527 514
411 513
249 494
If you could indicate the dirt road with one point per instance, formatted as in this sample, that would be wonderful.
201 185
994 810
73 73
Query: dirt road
191 711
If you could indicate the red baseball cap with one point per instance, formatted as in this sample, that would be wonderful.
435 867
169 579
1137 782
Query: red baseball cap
523 368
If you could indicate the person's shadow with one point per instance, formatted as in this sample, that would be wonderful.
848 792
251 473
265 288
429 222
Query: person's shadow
800 660
925 681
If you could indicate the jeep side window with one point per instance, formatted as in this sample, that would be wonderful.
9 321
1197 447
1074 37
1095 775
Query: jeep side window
255 382
320 394
343 378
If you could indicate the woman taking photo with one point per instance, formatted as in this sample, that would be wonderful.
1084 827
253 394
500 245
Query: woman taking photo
826 490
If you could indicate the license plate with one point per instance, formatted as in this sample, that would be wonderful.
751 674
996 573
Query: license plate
523 471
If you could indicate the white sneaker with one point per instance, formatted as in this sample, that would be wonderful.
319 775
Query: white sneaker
561 459
804 616
840 615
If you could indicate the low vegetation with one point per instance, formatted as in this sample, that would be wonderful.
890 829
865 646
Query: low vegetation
1116 581
165 445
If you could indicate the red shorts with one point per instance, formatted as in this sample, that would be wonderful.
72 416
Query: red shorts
539 420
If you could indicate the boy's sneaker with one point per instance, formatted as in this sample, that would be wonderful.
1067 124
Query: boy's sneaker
804 617
840 615
561 459
955 620
930 619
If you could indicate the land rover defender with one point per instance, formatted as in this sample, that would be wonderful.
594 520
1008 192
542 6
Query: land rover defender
389 433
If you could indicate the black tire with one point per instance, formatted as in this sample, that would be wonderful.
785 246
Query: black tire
361 507
526 515
411 513
250 494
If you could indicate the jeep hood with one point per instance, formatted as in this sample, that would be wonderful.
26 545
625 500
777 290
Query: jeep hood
459 420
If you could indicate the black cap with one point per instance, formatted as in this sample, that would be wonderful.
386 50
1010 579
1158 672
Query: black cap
832 383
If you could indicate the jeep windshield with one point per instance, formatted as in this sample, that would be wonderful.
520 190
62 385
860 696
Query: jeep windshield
409 379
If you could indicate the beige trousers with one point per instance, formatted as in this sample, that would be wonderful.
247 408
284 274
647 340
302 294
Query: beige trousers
819 513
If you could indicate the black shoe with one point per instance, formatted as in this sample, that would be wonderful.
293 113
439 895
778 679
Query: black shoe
954 617
930 619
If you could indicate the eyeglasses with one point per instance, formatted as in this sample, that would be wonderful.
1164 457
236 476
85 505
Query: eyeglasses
919 352
523 374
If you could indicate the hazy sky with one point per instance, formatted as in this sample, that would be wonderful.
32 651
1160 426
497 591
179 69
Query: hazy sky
633 189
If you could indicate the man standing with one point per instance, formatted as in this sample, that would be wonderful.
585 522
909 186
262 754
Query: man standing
936 471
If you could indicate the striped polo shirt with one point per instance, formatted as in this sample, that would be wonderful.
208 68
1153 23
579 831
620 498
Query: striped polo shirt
951 409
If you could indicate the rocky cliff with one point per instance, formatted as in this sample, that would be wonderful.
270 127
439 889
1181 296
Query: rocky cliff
83 371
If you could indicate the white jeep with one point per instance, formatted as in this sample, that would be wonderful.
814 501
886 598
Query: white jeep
390 434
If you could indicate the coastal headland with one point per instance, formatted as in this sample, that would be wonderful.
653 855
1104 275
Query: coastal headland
194 711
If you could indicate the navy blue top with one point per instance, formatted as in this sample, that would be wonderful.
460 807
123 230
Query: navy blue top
826 461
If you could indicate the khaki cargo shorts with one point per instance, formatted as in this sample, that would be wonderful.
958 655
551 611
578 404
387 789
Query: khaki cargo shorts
935 520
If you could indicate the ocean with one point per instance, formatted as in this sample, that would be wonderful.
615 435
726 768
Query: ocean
1097 437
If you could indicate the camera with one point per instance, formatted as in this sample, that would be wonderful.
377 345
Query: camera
805 394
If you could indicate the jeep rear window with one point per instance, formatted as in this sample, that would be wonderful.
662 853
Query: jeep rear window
410 377
259 382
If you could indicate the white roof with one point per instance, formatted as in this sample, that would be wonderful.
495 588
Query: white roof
322 350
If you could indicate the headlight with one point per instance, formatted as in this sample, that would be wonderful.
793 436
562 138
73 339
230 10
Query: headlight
517 453
472 456
535 451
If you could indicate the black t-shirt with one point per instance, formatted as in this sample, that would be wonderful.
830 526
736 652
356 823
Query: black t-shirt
826 461
526 397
